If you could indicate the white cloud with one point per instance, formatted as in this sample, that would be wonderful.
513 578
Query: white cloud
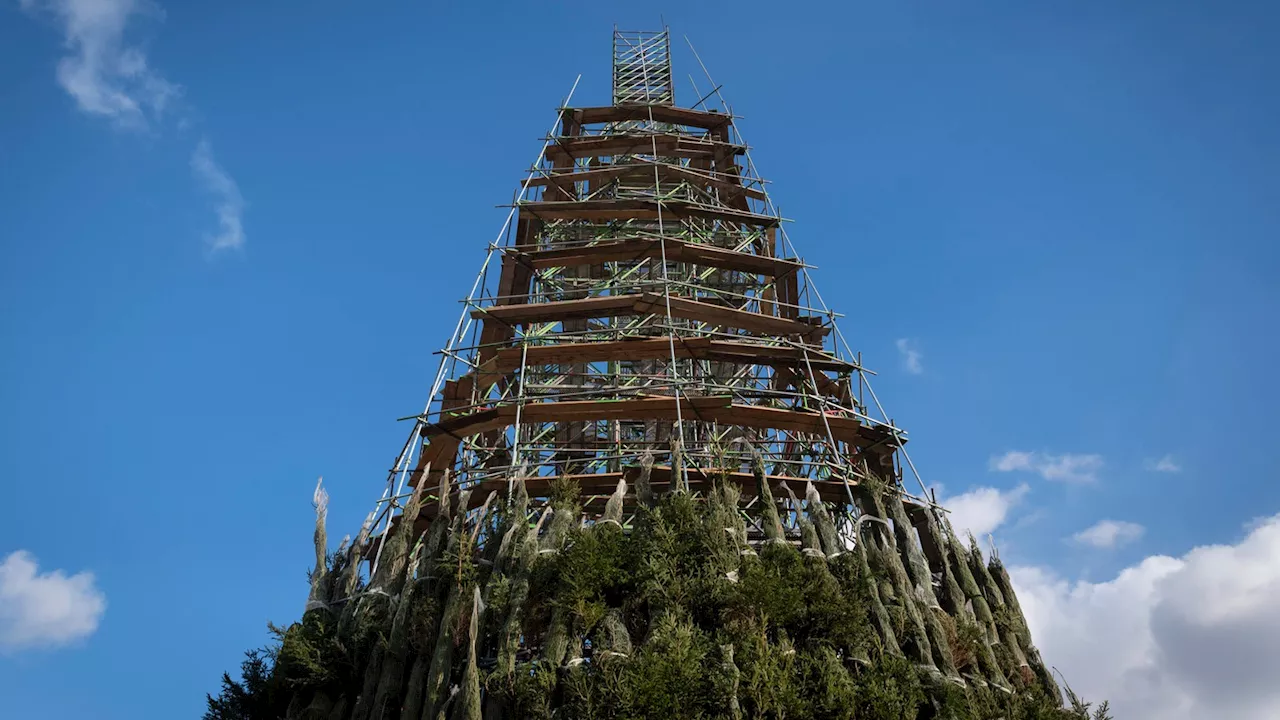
103 73
1169 638
1109 534
229 203
1066 468
911 357
45 609
981 510
109 77
1165 464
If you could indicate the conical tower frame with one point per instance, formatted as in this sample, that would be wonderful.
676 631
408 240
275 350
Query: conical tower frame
643 310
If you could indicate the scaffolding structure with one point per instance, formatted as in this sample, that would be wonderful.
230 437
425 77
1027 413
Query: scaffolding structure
647 429
643 305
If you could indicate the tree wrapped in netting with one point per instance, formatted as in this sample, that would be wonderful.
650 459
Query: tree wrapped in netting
701 603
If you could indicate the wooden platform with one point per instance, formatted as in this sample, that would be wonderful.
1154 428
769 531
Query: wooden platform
666 145
659 113
640 209
647 170
650 303
633 249
445 436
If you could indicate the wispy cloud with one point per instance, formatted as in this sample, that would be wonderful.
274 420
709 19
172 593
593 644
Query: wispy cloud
1064 468
229 203
1109 534
104 73
1165 464
109 77
912 360
982 510
45 609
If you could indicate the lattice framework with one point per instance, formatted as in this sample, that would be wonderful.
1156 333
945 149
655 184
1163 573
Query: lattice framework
642 300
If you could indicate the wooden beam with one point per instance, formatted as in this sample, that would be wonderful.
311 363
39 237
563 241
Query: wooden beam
625 249
649 408
507 360
600 485
703 348
640 209
645 303
652 408
526 313
445 435
660 113
846 429
605 483
669 145
704 178
753 322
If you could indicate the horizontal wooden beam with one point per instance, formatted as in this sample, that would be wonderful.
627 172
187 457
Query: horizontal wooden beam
666 145
659 113
647 169
646 303
626 249
444 436
650 408
703 348
719 315
845 429
603 484
640 209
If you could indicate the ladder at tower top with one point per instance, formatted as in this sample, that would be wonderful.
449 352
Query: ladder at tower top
642 68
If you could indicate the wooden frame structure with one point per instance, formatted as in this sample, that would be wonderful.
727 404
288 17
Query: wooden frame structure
641 301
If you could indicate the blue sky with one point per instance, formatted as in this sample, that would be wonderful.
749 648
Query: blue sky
232 235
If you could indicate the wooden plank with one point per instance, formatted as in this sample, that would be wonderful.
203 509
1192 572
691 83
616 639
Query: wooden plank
640 209
842 428
658 348
462 424
507 360
625 249
707 178
649 408
710 408
656 408
660 113
646 170
515 281
559 310
445 436
605 172
563 189
641 304
603 484
668 145
788 295
754 322
439 454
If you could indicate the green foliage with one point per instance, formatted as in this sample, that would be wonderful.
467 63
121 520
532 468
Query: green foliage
803 597
769 685
1082 708
673 558
253 696
668 678
310 655
889 690
834 692
532 692
672 618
